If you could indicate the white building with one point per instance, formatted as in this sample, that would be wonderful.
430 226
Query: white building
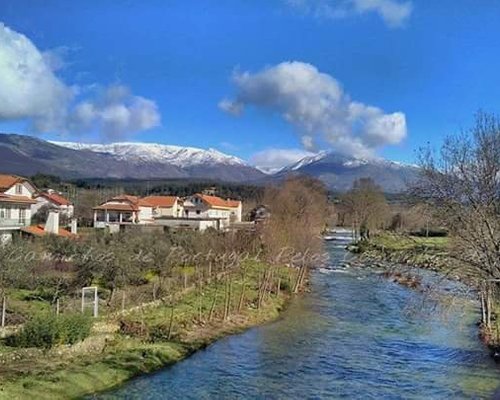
197 212
205 206
165 206
53 201
16 199
123 209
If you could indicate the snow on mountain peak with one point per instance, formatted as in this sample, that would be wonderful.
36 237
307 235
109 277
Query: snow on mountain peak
157 153
344 160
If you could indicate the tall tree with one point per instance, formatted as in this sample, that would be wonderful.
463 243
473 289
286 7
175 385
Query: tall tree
366 205
463 182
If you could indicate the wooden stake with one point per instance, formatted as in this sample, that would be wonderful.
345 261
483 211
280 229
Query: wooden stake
4 310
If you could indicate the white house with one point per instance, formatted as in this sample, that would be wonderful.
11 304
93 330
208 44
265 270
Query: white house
165 206
197 212
54 201
16 199
205 206
123 209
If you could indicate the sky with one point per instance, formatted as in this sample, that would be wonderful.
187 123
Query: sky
269 81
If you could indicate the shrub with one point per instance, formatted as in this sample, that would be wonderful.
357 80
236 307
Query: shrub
158 333
48 331
74 328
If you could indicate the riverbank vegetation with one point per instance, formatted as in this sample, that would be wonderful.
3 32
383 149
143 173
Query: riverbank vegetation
452 219
161 296
462 184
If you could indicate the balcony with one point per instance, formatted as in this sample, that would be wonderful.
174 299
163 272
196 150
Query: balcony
12 223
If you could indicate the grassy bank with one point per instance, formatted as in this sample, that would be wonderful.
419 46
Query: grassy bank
429 253
146 338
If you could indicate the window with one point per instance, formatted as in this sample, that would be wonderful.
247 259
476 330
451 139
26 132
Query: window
19 188
7 212
22 216
198 212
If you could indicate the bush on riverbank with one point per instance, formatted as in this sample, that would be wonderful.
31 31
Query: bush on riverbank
47 331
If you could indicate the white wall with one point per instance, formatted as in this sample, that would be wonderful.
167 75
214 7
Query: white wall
15 212
145 214
25 190
191 223
41 201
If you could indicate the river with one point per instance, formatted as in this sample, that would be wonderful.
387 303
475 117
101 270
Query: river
355 336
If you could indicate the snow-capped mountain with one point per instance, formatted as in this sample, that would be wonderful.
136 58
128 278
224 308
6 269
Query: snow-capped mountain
339 171
157 153
27 155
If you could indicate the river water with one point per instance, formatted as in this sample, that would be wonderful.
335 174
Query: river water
355 336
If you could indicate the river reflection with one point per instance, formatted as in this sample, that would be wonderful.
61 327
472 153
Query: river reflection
355 336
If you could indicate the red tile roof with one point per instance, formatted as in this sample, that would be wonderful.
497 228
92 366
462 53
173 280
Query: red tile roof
117 207
126 203
7 181
160 201
55 198
215 201
144 203
39 230
8 198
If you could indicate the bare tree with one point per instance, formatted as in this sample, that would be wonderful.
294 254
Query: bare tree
463 182
367 207
299 212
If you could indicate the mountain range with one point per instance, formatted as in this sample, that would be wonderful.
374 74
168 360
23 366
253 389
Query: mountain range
339 171
27 155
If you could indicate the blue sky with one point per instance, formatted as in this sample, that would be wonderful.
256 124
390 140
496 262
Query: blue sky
157 71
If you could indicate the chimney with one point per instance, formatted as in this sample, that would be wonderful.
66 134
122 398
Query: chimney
74 226
52 224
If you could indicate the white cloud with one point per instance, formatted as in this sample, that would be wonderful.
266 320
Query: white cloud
393 12
230 107
115 113
272 160
317 106
28 86
30 90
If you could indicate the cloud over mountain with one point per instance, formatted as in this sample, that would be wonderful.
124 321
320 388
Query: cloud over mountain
116 113
31 90
317 106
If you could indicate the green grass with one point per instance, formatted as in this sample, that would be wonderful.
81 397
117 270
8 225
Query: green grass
55 374
396 242
127 360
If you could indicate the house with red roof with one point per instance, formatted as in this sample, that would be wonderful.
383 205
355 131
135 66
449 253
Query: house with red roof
53 201
16 199
165 206
198 212
123 209
208 206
